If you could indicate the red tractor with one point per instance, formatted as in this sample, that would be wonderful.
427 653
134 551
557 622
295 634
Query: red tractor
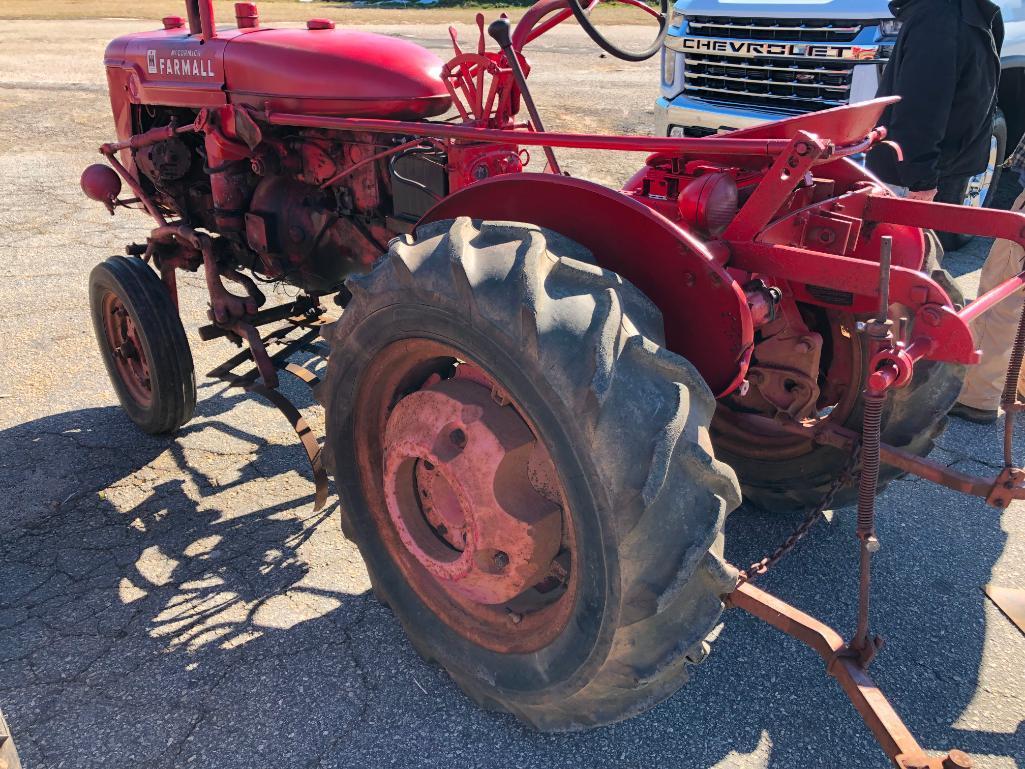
543 396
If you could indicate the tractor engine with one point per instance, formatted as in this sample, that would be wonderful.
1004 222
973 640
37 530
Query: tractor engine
307 208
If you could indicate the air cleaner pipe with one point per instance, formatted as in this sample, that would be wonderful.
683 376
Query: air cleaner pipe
206 19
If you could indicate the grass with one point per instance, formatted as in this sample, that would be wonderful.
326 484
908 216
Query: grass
289 10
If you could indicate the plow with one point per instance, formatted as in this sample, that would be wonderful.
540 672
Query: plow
542 396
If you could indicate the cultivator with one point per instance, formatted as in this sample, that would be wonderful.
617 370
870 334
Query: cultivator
542 396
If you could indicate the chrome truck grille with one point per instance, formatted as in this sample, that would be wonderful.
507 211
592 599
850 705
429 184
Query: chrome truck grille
780 65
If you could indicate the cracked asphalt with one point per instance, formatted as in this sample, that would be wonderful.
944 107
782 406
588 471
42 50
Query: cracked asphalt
175 602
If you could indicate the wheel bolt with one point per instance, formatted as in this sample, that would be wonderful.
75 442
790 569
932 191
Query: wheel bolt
458 438
500 559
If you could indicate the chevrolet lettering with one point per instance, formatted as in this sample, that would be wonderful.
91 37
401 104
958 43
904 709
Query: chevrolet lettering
753 48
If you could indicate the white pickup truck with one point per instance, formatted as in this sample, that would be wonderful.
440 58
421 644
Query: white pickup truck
730 64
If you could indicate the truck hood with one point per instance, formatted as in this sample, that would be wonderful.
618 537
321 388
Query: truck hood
788 9
1012 10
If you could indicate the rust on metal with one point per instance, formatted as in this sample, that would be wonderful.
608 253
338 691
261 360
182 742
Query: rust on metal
465 496
842 663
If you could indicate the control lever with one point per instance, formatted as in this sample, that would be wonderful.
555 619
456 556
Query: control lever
499 31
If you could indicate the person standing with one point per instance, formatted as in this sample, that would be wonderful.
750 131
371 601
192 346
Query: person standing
945 66
994 331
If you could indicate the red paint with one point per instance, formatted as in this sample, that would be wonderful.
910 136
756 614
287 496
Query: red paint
327 71
101 183
668 264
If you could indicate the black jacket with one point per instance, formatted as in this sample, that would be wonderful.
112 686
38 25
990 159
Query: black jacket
945 66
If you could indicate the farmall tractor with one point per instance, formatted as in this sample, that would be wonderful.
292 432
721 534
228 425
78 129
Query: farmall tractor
543 396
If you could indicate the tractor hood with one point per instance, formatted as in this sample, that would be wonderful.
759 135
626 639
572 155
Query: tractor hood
319 71
334 72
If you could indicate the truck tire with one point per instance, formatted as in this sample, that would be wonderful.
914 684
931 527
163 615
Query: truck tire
913 418
504 327
131 310
968 193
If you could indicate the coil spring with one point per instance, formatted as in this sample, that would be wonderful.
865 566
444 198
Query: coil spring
869 481
1010 393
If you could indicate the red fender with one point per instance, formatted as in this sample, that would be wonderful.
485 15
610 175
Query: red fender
707 319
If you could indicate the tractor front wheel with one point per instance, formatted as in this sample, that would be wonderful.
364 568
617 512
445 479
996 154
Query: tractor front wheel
529 479
143 344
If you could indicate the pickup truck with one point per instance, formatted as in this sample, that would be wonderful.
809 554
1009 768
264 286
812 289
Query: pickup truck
729 64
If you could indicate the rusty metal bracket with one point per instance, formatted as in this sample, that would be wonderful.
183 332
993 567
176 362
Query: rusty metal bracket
306 437
248 382
1009 480
843 664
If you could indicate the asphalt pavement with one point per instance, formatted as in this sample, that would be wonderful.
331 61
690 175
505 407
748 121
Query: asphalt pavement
174 602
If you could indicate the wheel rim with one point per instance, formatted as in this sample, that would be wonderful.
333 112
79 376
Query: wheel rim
125 344
839 385
465 496
978 185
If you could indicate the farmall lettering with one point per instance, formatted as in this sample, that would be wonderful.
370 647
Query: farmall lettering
749 48
184 63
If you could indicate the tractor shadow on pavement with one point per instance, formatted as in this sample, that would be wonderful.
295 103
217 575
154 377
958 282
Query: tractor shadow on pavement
176 602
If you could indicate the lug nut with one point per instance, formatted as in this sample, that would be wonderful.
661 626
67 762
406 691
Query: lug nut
500 559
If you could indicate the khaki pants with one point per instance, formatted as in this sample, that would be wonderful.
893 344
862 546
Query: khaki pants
994 330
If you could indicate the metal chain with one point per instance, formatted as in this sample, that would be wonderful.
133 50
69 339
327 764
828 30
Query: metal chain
758 568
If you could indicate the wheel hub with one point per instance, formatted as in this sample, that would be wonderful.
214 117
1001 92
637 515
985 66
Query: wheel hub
458 487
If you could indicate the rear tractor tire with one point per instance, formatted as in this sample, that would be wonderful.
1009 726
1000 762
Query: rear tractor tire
143 344
529 478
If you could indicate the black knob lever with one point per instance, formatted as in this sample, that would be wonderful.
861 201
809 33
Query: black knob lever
499 30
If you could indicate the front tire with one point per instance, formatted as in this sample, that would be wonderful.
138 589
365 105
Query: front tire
143 344
508 322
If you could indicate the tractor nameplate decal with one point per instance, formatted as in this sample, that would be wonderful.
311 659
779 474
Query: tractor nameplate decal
182 62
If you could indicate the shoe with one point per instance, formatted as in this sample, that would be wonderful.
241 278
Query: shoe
969 414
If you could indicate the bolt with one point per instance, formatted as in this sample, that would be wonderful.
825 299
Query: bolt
872 545
500 559
956 759
515 618
745 388
458 438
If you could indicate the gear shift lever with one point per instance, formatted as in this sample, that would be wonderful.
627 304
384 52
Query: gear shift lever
499 31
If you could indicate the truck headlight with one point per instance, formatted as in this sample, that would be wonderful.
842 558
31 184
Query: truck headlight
890 27
668 66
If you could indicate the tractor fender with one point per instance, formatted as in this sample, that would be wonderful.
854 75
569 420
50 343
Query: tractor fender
707 319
